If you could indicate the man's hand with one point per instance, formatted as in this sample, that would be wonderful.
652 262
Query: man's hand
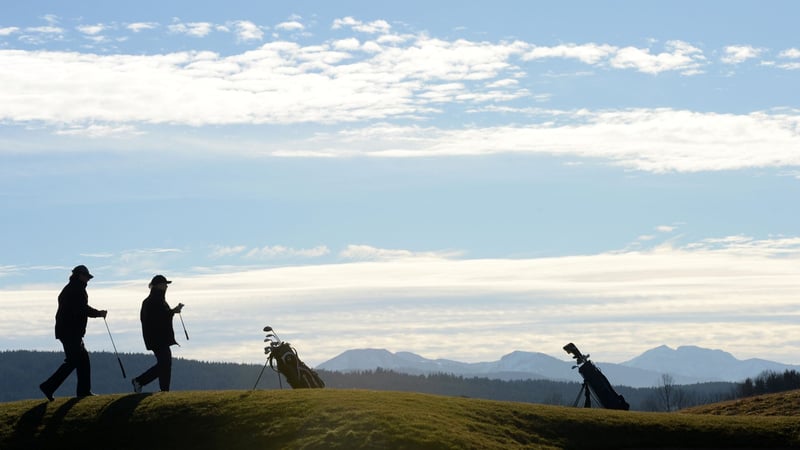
103 313
178 308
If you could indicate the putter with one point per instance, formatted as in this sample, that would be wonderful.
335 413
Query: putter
115 348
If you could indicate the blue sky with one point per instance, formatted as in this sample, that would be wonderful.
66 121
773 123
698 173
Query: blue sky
407 176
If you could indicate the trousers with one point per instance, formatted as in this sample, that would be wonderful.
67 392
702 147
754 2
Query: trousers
75 358
161 370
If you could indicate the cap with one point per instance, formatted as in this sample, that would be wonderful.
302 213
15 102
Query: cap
159 279
82 270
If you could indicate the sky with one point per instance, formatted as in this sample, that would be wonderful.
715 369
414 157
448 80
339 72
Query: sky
455 180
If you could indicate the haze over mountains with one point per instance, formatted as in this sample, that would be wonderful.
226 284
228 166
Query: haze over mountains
686 365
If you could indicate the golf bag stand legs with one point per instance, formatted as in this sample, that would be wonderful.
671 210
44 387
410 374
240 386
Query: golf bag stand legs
587 402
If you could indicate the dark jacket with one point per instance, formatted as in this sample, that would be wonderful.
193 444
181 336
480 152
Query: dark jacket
156 316
73 310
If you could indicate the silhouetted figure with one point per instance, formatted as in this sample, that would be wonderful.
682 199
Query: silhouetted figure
156 316
71 318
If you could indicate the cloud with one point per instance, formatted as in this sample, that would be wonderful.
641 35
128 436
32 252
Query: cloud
194 29
97 131
736 54
680 56
651 140
733 292
347 44
292 25
374 27
665 228
281 82
248 31
91 30
280 251
369 253
224 251
586 53
792 53
7 31
45 30
137 27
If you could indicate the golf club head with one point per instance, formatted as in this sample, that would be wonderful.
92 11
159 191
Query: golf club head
267 350
267 329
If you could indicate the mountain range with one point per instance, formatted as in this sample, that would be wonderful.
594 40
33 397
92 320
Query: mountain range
686 365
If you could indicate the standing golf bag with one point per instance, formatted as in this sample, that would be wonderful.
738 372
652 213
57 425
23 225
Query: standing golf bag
284 360
594 382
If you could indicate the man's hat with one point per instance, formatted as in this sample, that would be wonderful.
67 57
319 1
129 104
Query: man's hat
159 279
82 270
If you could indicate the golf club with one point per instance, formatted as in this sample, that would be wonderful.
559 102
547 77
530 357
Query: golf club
271 334
184 326
115 348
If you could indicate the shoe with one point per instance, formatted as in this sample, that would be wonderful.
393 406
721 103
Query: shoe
137 387
49 395
87 394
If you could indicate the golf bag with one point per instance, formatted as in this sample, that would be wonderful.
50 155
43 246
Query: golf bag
282 358
296 372
595 382
602 388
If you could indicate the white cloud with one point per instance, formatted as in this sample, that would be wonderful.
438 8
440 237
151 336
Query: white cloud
660 140
792 53
7 31
194 29
733 292
91 29
292 25
374 27
224 251
679 56
280 251
45 30
369 253
347 44
100 131
248 31
137 27
735 54
586 53
281 82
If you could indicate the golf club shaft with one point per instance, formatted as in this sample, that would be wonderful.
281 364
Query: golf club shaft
184 326
115 349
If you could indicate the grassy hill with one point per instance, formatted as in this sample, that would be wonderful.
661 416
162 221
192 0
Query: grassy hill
781 404
353 419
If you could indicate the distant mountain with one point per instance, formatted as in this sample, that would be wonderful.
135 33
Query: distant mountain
686 365
703 363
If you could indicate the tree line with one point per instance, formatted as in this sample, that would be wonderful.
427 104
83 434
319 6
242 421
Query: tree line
769 382
21 371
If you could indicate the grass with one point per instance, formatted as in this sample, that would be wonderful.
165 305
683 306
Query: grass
361 419
782 404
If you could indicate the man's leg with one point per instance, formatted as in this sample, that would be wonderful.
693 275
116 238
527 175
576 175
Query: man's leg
164 358
148 375
84 370
71 351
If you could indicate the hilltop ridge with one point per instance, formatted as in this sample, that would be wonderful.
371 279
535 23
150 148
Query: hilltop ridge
352 419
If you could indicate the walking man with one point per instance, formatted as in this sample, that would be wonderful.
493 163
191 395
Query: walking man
156 316
71 318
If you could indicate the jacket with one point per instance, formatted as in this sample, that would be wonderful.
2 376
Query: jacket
73 310
156 317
